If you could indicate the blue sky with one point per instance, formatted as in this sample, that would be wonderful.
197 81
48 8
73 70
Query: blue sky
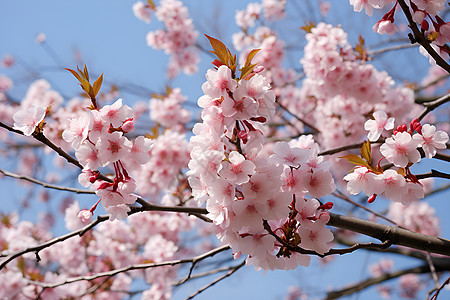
111 40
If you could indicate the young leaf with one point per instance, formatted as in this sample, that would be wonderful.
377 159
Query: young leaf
98 84
250 56
86 73
356 160
220 50
366 152
308 27
74 74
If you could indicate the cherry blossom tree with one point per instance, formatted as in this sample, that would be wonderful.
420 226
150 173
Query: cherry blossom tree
301 148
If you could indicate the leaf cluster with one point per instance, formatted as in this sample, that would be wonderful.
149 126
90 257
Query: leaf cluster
91 91
226 58
365 159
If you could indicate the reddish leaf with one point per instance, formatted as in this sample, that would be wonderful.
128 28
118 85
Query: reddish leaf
98 84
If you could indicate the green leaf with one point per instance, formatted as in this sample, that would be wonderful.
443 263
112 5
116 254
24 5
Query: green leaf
366 152
98 84
356 160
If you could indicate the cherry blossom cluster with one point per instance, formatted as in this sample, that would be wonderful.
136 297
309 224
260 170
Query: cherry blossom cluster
168 156
409 284
401 150
39 102
177 38
242 186
424 13
168 112
144 238
269 9
97 136
340 89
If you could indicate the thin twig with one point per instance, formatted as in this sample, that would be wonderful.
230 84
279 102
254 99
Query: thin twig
45 184
59 239
433 105
299 119
130 268
217 280
390 48
421 39
375 280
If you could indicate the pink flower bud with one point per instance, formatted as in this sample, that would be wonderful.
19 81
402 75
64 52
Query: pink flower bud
85 215
128 126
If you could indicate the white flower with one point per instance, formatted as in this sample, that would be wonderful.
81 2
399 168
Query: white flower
430 140
27 120
375 127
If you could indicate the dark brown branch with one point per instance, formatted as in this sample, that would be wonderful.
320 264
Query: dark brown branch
45 184
376 280
132 267
395 235
421 39
62 238
217 280
433 105
356 246
433 173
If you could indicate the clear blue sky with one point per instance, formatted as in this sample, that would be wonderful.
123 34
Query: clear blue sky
112 41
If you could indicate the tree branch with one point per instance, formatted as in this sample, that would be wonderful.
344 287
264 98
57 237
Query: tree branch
217 280
433 105
395 235
433 173
376 280
130 268
62 238
421 39
45 184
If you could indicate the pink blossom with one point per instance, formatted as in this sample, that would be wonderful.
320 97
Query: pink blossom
5 83
78 130
85 215
430 6
88 156
377 125
315 236
116 113
237 169
291 156
139 152
417 216
362 179
359 5
385 26
8 61
430 140
410 284
273 9
142 11
71 217
401 149
112 147
394 185
27 120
